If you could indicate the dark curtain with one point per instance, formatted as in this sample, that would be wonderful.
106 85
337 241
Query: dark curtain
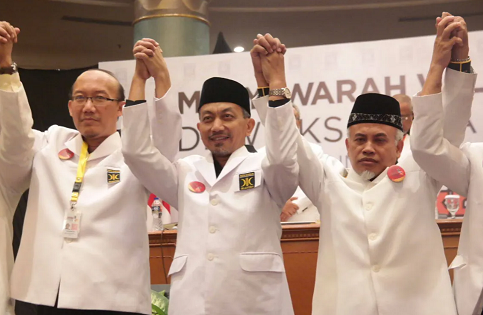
48 94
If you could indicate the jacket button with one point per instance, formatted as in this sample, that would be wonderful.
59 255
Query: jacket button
376 268
214 202
210 257
212 229
372 236
368 206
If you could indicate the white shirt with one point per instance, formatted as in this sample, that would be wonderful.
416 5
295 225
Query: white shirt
380 249
107 267
228 258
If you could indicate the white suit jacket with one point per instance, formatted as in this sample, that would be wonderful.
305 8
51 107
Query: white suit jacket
107 267
380 248
15 164
460 169
228 257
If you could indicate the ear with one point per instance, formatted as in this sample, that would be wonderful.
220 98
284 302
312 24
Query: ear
198 127
250 126
347 143
119 110
70 108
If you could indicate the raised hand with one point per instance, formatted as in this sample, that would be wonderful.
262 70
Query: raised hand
143 49
461 49
444 43
442 52
256 53
8 36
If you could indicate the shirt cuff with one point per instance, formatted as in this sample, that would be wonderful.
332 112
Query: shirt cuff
10 82
263 91
278 103
131 103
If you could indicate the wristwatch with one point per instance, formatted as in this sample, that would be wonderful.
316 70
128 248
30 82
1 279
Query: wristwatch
285 92
9 70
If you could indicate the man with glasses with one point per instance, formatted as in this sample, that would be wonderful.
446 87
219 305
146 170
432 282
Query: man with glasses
84 248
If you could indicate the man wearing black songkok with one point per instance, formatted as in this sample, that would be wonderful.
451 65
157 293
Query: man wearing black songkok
228 258
380 247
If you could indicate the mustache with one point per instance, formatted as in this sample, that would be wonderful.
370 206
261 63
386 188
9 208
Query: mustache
221 134
89 118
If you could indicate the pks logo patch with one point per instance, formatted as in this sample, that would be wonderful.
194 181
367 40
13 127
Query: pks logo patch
113 176
247 181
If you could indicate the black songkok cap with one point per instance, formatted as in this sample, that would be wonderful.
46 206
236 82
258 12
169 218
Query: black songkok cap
217 90
376 108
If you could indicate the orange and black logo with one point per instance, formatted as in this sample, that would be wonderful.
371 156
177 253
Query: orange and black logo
247 181
113 176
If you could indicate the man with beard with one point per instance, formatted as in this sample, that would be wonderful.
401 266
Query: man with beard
228 257
380 248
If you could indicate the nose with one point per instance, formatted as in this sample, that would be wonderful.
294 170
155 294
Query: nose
89 106
217 125
368 149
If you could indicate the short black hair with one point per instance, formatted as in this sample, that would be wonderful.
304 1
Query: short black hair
120 92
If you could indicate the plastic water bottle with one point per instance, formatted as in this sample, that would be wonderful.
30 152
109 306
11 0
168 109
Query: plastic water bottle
157 212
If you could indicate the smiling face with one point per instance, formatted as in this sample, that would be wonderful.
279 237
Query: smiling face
96 121
223 128
372 147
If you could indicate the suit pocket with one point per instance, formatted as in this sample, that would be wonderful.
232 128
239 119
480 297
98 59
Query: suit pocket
178 264
263 283
259 262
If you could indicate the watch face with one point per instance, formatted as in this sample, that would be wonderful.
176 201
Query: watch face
287 93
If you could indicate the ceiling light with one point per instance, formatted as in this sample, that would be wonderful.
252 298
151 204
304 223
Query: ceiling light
238 49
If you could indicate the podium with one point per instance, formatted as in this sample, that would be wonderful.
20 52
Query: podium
299 246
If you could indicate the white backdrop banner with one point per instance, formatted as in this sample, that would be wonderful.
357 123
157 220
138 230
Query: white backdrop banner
325 80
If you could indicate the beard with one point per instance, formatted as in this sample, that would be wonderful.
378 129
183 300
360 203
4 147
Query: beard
220 152
367 175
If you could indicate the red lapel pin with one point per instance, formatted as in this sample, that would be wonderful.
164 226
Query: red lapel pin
196 187
66 154
396 173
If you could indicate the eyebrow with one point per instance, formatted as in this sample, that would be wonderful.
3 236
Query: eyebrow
95 92
229 109
381 135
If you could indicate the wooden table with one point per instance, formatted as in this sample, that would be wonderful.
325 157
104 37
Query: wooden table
299 246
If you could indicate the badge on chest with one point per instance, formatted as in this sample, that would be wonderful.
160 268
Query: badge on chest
246 181
113 176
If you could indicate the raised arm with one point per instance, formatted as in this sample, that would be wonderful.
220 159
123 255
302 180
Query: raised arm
279 166
16 135
457 111
439 158
310 168
153 169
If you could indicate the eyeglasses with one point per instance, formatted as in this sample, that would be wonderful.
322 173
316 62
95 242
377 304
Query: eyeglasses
81 100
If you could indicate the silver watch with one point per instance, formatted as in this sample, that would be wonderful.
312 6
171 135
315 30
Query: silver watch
285 92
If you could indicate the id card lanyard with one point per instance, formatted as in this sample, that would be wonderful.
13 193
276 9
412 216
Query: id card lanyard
71 227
